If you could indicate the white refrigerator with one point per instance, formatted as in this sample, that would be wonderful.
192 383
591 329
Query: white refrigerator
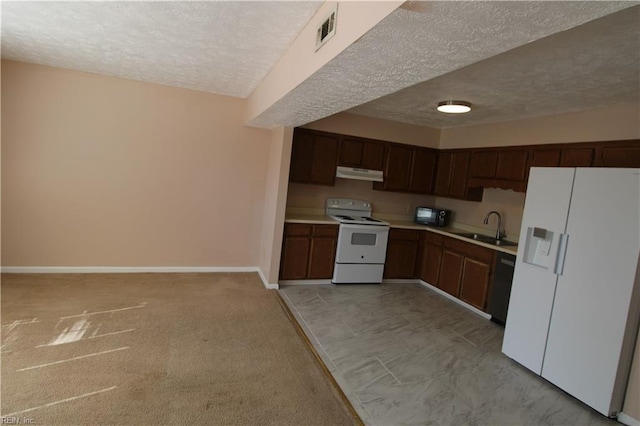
575 301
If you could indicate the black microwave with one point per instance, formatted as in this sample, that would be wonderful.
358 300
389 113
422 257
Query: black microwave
432 216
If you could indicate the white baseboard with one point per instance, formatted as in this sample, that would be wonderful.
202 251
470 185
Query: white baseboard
455 299
626 419
132 270
265 281
121 269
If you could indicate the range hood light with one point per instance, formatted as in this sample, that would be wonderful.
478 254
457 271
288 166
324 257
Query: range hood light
454 107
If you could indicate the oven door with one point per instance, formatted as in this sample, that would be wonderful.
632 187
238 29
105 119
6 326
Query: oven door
362 243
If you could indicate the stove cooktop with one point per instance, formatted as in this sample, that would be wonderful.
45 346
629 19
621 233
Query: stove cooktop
361 220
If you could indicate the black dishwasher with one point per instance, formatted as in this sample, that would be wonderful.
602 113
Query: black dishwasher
501 289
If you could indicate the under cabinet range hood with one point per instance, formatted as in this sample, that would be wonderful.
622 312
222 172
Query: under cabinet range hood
359 174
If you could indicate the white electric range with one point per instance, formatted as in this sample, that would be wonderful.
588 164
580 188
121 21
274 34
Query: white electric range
362 242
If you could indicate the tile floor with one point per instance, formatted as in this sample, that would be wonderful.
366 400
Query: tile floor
405 355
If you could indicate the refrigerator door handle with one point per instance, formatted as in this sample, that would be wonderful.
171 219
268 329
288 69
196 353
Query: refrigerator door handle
562 252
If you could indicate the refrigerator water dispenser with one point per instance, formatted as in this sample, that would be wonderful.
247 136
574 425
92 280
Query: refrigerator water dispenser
537 247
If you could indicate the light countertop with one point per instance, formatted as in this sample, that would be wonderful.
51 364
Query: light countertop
310 218
402 223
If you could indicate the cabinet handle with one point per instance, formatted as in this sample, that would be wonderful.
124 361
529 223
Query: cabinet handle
507 262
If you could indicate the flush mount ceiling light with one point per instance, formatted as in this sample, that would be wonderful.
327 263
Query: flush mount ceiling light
454 107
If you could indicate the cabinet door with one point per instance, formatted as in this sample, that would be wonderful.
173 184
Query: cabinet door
482 164
460 164
545 158
475 283
512 165
451 272
313 158
443 174
295 258
323 251
577 157
397 170
402 254
373 155
301 157
322 257
431 259
423 167
401 259
627 155
325 151
365 154
351 151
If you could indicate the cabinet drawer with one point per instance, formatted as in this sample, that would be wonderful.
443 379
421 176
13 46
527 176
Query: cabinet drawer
325 231
434 239
469 250
297 229
404 234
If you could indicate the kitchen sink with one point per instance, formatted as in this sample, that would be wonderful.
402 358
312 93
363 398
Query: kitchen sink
485 239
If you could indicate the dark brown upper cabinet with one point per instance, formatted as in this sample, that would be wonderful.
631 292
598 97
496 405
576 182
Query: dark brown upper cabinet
455 173
313 158
423 167
408 169
619 154
361 153
397 168
545 157
451 176
565 155
483 164
577 157
504 168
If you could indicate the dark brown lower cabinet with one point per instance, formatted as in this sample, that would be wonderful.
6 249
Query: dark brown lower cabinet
322 258
431 258
457 267
402 259
475 283
308 251
451 272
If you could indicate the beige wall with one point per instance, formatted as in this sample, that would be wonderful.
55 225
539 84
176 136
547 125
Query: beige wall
509 204
275 202
614 123
303 196
375 128
102 171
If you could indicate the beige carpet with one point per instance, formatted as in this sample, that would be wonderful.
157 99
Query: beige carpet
157 349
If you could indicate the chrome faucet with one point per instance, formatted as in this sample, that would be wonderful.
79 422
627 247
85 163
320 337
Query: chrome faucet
499 232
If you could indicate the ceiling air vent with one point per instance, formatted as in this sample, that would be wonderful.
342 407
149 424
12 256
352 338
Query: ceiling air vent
327 28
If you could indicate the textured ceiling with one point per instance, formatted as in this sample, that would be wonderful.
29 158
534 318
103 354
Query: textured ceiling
224 47
510 59
594 65
425 40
